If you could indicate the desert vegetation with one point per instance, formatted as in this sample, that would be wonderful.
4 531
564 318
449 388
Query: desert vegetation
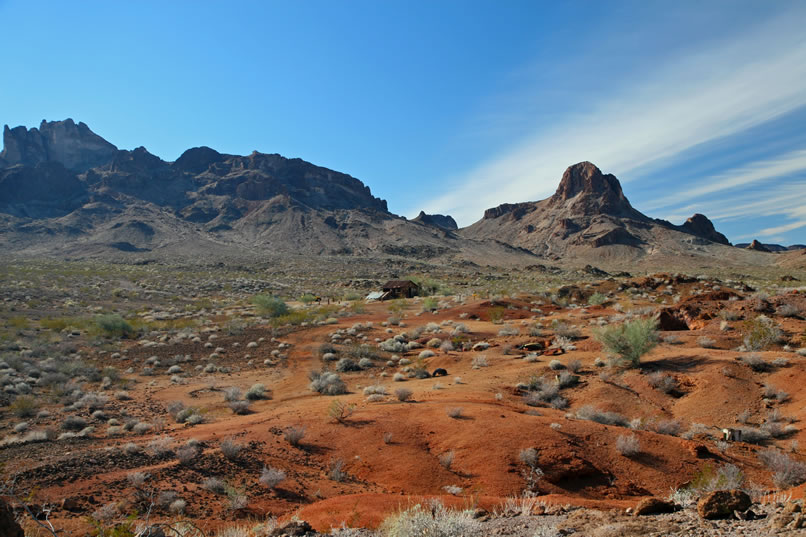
224 398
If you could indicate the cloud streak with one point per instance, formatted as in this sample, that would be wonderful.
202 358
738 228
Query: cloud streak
734 86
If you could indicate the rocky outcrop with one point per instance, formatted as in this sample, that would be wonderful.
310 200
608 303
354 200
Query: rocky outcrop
701 226
757 246
654 506
723 504
589 217
441 221
76 147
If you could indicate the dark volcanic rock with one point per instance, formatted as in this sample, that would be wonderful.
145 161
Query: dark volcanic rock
198 159
76 147
654 506
8 524
700 226
437 220
757 246
723 503
44 190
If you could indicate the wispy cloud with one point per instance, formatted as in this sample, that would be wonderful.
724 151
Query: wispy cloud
734 86
753 173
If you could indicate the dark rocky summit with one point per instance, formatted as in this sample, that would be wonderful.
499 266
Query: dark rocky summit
75 147
701 226
437 220
757 246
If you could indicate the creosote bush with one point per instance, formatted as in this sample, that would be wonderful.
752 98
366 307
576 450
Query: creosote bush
113 325
270 306
327 383
630 340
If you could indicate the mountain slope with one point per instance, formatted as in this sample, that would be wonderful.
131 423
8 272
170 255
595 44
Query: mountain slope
65 190
589 219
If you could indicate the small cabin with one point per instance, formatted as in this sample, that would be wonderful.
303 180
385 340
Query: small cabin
400 289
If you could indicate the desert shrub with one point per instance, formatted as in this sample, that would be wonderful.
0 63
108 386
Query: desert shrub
24 407
454 412
230 449
446 459
556 365
74 423
509 330
393 345
187 454
706 342
667 427
346 364
340 411
403 394
630 340
662 382
760 333
574 365
434 343
755 362
771 392
336 471
566 380
629 446
256 392
215 485
294 435
425 354
479 361
377 389
787 472
160 446
270 306
271 477
113 325
430 304
446 346
434 521
591 413
327 383
788 310
232 393
751 435
240 407
597 299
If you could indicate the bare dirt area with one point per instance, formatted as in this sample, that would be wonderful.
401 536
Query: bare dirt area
219 410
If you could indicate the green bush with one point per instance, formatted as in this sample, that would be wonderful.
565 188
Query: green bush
760 333
597 299
630 340
113 325
270 306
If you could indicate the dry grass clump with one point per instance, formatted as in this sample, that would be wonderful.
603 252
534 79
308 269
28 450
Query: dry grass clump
591 413
294 435
629 446
787 472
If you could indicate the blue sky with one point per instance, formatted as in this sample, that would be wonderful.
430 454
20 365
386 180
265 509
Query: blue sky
448 106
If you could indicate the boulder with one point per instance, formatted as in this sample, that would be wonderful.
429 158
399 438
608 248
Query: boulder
654 506
723 503
295 528
8 524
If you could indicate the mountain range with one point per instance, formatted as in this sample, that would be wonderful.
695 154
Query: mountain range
64 190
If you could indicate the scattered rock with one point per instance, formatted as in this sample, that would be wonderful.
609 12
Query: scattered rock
295 528
723 504
654 506
8 525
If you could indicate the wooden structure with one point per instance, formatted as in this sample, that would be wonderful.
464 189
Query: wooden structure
400 289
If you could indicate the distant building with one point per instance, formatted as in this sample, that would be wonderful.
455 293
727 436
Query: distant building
400 289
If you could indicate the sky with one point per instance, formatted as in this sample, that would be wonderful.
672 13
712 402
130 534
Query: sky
450 107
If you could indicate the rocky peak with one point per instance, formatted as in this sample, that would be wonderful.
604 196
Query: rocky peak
76 147
757 246
196 160
592 191
437 220
701 226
